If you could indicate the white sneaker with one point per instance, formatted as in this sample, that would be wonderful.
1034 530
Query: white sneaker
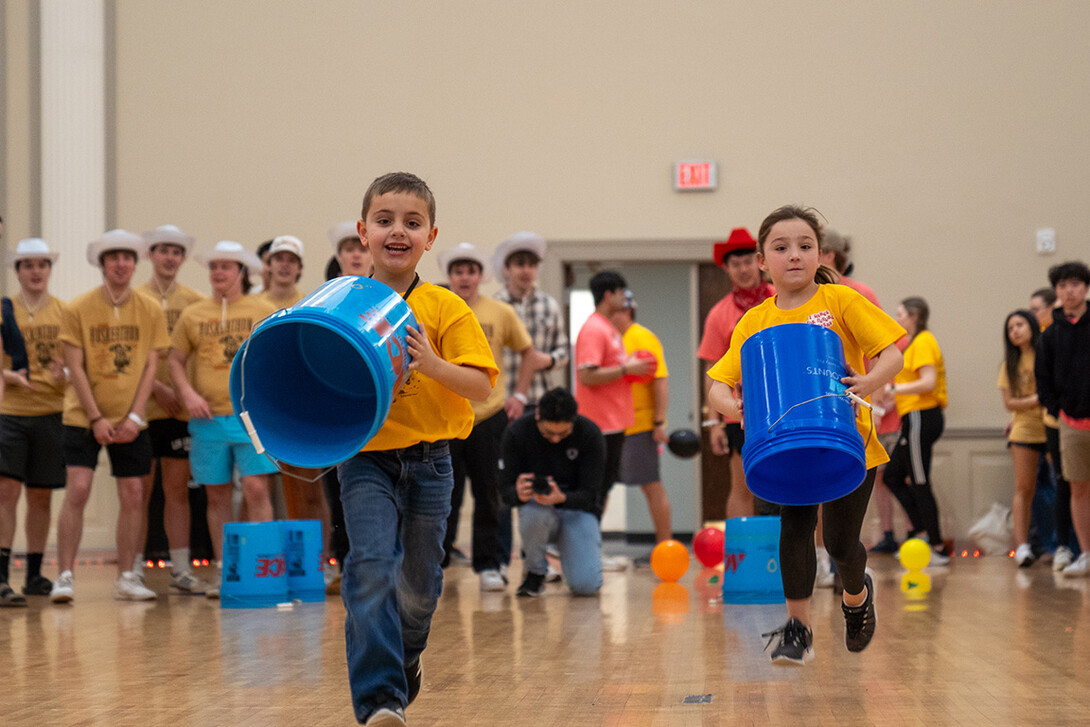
825 576
552 575
1080 568
611 564
1023 556
1062 558
939 559
187 583
62 588
492 580
128 587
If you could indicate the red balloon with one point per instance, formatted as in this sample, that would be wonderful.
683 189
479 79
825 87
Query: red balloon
643 355
708 546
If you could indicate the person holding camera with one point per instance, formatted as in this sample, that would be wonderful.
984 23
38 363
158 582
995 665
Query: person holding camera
553 464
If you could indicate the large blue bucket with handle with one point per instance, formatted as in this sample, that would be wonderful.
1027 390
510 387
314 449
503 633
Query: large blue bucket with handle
751 560
802 444
315 382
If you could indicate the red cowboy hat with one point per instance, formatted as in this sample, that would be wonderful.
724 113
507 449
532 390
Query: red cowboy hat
739 241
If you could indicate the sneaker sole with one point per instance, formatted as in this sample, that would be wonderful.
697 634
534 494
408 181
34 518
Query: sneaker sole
62 598
180 591
788 661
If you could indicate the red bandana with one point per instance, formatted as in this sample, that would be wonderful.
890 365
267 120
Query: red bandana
746 298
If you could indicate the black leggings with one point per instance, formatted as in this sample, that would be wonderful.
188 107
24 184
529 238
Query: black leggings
910 461
841 522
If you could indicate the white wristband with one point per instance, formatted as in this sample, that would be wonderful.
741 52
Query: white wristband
521 397
137 419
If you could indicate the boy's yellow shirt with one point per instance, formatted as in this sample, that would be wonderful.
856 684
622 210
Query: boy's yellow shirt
424 410
176 300
42 336
865 330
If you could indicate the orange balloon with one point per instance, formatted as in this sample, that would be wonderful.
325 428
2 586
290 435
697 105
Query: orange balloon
670 560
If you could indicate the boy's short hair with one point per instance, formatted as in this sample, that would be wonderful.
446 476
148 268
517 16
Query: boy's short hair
1048 295
557 405
400 182
522 257
1072 270
332 268
604 282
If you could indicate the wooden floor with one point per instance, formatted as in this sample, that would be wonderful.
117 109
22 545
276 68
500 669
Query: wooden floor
989 645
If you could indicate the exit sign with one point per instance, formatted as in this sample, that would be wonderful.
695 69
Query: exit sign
690 176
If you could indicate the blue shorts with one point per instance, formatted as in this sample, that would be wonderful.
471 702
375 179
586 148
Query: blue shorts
219 446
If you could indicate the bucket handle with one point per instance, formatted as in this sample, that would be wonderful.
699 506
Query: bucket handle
871 408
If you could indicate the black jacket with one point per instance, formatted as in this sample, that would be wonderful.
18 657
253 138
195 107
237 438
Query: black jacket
577 463
14 345
1063 366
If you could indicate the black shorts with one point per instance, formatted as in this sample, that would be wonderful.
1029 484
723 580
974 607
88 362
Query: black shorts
132 459
29 451
169 438
736 437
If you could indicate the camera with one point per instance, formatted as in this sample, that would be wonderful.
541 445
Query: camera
541 486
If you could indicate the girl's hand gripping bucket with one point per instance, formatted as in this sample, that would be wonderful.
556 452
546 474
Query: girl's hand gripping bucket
802 444
314 383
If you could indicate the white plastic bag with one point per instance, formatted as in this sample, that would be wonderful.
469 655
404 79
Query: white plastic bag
993 533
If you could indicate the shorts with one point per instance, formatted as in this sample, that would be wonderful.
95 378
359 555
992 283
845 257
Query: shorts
1040 447
640 459
736 437
131 459
1074 453
220 446
29 451
169 438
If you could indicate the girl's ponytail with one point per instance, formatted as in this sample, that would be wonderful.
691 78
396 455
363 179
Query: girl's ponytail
826 275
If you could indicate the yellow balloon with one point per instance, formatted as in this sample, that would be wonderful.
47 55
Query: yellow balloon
915 584
915 554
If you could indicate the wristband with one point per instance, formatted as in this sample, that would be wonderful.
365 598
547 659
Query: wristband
552 361
137 419
660 423
521 397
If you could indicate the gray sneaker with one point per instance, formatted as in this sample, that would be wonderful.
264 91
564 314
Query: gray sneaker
796 643
188 584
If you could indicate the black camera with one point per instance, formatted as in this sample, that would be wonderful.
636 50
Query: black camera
541 486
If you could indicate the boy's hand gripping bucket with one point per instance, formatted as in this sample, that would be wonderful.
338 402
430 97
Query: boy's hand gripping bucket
314 383
802 444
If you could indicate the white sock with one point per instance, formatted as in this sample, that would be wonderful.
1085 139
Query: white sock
179 560
138 563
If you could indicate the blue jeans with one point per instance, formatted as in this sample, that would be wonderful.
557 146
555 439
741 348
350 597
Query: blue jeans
396 504
579 539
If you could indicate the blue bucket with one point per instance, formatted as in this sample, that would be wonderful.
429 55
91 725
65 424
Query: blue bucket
255 573
802 445
751 560
317 380
303 555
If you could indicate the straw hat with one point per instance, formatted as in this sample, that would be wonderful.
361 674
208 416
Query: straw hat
461 252
31 247
230 250
518 242
117 239
168 234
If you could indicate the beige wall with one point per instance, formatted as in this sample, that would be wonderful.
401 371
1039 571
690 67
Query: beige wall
940 135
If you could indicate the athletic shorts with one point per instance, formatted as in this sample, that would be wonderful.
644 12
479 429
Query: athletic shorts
220 446
736 437
131 459
1040 447
1074 453
169 438
29 451
640 459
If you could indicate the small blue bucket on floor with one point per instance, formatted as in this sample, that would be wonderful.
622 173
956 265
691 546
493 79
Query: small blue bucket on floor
751 560
255 573
802 444
303 555
315 382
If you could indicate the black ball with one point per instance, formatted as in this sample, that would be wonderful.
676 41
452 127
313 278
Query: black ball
684 443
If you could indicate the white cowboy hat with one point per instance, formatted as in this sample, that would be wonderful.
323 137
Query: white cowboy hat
168 234
342 231
287 243
464 251
31 247
230 250
518 242
117 239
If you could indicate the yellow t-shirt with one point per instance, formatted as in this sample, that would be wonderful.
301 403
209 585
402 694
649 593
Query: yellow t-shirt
282 303
638 338
504 329
864 329
922 351
172 304
424 410
210 339
42 335
115 343
1028 426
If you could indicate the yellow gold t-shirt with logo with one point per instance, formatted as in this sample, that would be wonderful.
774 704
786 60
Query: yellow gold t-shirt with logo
41 331
177 298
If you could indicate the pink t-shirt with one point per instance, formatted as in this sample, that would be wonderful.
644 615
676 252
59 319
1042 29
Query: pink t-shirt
609 406
862 288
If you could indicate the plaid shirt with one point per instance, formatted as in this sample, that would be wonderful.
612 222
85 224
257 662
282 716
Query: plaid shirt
543 319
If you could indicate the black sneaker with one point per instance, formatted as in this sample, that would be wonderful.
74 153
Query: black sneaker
886 545
796 644
533 585
414 674
860 620
39 585
8 597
